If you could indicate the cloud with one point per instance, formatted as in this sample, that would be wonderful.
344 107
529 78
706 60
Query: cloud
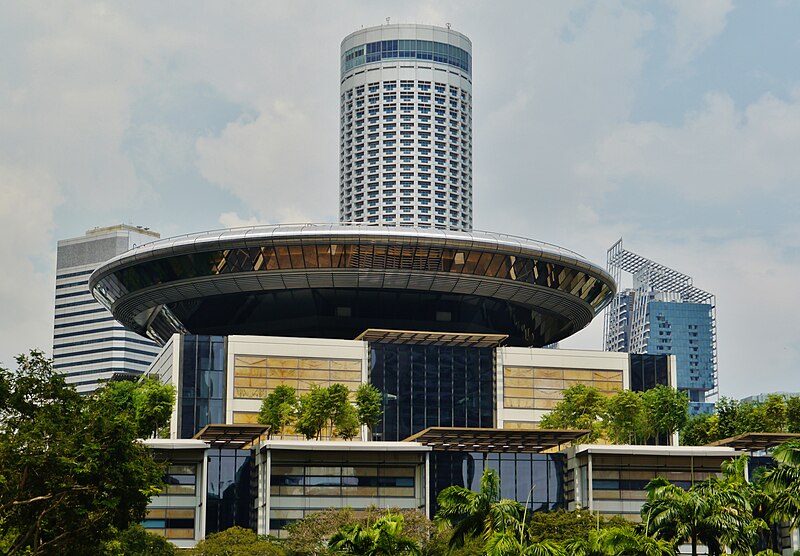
278 162
718 151
28 198
696 24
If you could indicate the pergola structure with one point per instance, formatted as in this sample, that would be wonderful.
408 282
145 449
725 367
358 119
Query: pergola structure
454 439
233 436
379 335
756 441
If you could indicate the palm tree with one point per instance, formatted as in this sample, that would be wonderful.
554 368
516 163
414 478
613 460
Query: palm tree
477 514
382 538
782 484
619 542
712 513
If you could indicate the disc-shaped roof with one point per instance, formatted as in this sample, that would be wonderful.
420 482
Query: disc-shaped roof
338 280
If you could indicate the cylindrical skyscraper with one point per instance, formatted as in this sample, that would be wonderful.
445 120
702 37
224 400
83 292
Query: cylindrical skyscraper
406 127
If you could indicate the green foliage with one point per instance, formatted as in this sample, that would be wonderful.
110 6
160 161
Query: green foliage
278 409
237 541
346 424
625 421
700 430
562 525
582 407
666 411
368 404
148 401
137 541
733 418
312 412
384 537
793 414
71 469
626 418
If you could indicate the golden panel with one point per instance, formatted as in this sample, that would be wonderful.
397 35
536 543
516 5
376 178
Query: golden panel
359 491
396 491
314 364
249 360
176 513
287 362
287 470
548 373
519 425
518 392
345 364
571 383
518 403
179 533
282 372
273 383
316 376
607 385
548 394
545 404
606 494
607 375
548 383
245 417
521 372
323 491
346 376
257 393
517 382
159 513
578 374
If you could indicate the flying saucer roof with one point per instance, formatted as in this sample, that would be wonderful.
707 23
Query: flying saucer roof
338 280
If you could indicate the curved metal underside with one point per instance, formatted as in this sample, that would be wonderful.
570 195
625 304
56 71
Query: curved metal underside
336 281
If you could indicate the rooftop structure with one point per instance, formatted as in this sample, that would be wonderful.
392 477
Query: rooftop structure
335 281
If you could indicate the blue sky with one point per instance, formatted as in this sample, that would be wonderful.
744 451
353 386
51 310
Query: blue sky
675 125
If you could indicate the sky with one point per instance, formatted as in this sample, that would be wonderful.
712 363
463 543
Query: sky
674 125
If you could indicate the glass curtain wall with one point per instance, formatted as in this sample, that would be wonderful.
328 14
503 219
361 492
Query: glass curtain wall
535 480
432 386
230 489
201 397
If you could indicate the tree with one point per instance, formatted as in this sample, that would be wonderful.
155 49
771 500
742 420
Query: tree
148 401
137 541
700 430
665 411
771 415
236 541
625 421
368 405
782 483
72 472
312 412
618 541
346 425
582 407
476 514
382 538
710 513
793 414
277 409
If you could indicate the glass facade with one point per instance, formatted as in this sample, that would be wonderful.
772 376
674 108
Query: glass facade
648 371
172 523
230 491
686 331
536 480
407 49
201 396
431 386
319 254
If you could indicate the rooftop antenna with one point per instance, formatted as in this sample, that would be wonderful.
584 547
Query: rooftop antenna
387 20
448 25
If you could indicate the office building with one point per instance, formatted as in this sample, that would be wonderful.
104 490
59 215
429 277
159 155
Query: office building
89 345
664 313
406 127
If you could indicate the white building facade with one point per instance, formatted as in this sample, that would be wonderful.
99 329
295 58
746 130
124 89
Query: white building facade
406 127
89 345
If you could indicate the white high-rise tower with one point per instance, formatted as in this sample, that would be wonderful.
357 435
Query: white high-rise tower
406 127
89 345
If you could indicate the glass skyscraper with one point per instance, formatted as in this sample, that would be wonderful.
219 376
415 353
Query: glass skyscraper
665 314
